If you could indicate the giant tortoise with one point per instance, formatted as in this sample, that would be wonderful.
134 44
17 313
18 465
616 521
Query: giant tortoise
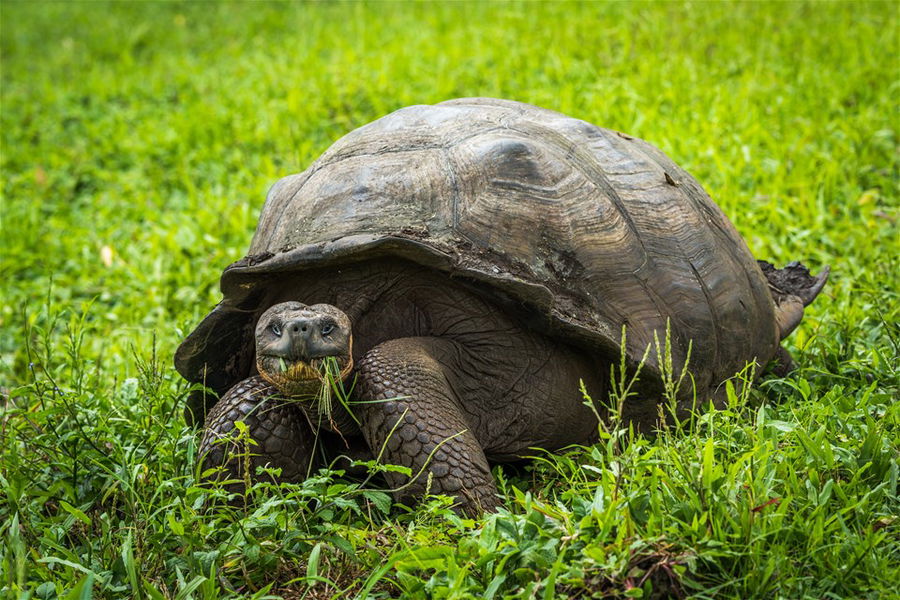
465 266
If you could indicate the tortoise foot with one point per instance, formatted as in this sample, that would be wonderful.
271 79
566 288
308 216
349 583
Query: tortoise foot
792 289
782 364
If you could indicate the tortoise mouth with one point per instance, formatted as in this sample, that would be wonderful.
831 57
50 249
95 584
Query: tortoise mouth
296 377
295 370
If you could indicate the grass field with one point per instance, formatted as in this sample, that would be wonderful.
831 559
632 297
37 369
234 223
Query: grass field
138 140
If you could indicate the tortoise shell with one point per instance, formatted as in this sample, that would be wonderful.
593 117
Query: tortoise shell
589 229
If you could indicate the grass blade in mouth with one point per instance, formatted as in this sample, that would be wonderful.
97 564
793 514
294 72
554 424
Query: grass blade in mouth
330 374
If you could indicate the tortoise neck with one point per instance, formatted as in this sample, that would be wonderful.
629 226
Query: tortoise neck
339 420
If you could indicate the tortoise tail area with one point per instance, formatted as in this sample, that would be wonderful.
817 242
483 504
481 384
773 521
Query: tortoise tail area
792 288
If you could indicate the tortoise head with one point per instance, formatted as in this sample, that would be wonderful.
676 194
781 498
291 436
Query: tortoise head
296 342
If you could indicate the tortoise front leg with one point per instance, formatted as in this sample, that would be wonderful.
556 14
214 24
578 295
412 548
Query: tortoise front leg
283 436
412 418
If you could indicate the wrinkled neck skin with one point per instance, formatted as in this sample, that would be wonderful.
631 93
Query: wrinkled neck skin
339 420
520 388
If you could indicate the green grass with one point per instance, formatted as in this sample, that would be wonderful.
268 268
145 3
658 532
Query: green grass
138 140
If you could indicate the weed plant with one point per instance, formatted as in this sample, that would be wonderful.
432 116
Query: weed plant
138 140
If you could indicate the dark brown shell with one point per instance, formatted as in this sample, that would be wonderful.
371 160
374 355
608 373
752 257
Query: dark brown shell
591 228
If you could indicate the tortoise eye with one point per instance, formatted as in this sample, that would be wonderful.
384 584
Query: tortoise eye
327 328
276 329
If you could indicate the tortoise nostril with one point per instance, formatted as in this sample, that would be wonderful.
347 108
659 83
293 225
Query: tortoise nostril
299 327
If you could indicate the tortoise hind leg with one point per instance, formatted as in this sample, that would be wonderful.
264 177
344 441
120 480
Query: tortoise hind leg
782 363
793 288
282 437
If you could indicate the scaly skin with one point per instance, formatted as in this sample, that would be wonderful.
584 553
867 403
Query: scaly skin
283 435
413 414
